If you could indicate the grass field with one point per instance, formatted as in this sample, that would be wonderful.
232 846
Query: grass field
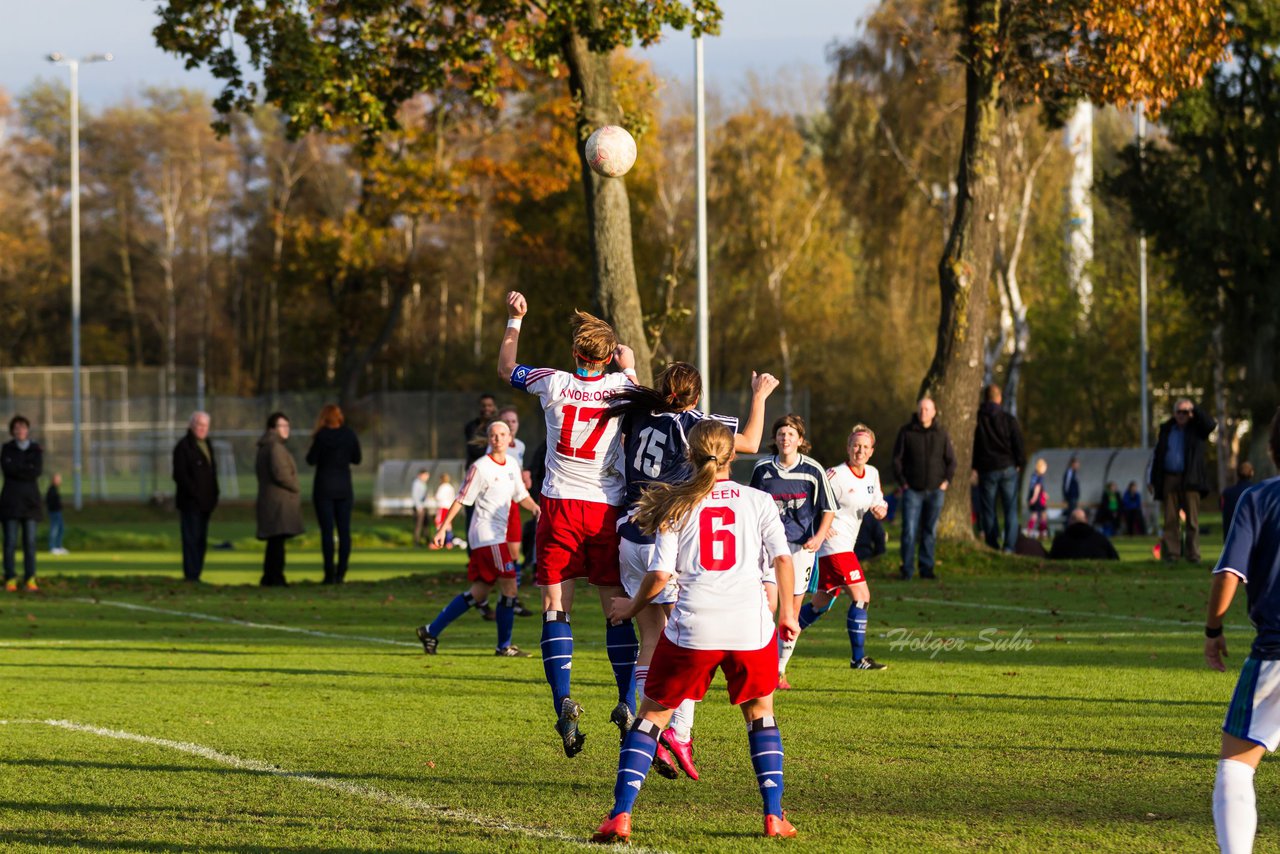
149 715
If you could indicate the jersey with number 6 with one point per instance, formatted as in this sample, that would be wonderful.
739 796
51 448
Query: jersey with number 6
582 447
855 496
716 560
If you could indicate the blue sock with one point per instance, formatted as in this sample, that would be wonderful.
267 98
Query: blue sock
856 622
766 758
451 612
808 616
634 760
557 654
506 620
622 647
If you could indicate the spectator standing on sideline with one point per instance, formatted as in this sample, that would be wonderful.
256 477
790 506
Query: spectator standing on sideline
1108 516
53 506
1131 508
279 506
476 431
335 448
421 505
1081 541
22 462
1180 477
195 472
998 455
1231 495
924 461
445 495
1071 486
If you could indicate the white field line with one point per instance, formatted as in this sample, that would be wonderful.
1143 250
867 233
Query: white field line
41 642
1058 612
359 790
247 623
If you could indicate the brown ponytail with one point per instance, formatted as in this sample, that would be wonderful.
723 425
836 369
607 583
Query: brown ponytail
678 388
667 506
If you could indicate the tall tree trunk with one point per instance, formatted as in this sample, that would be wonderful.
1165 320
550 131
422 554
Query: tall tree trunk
126 279
477 307
1263 393
964 271
608 212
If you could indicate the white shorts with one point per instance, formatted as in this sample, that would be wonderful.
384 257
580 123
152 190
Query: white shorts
1254 713
802 560
633 565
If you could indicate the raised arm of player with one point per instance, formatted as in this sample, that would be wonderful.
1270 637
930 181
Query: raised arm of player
1220 596
748 441
516 309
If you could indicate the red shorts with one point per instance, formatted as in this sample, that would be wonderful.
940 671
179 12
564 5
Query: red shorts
677 674
838 570
577 539
489 563
513 523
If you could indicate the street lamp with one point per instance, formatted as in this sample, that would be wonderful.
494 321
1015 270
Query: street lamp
700 168
76 451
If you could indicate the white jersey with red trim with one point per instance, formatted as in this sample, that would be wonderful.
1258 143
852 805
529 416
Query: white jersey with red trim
855 496
716 558
491 487
583 448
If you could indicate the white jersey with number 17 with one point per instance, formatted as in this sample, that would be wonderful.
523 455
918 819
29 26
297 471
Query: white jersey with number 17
716 560
582 447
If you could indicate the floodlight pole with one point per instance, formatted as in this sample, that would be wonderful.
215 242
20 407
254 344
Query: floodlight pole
77 450
1141 121
700 167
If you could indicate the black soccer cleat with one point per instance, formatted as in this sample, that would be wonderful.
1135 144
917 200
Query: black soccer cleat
512 651
867 664
623 718
521 610
567 727
430 643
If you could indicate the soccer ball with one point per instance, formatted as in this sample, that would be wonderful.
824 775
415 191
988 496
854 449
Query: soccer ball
611 151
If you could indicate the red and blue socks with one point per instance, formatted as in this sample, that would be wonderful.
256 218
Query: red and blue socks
634 761
623 648
506 619
455 609
856 622
766 758
557 654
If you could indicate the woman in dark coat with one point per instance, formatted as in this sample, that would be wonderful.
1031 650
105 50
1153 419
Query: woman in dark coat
279 503
20 505
335 448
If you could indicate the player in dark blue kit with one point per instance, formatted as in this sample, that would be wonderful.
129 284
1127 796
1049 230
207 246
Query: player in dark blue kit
655 424
1251 554
799 487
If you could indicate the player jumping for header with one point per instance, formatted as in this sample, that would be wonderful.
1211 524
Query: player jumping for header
577 533
711 535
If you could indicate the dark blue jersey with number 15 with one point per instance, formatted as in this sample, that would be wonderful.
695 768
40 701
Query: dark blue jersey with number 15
656 450
801 493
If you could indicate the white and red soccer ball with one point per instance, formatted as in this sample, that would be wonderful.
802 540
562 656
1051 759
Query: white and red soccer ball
611 151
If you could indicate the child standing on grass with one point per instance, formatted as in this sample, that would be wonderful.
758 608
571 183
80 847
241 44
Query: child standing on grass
1038 502
53 506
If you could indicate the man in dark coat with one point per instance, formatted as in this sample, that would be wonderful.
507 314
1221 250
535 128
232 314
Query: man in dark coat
1180 477
998 455
195 471
1081 541
924 462
279 505
476 431
1231 495
22 462
1071 485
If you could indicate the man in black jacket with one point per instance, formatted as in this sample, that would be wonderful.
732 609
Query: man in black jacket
1231 495
924 461
1081 541
1180 477
196 473
998 455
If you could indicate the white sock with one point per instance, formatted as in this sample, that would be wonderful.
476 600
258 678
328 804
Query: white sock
682 720
785 648
642 674
1235 812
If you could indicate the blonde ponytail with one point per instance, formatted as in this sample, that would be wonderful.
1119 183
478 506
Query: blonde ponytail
665 505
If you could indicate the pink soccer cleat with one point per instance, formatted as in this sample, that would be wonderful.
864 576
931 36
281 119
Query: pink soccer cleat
681 750
778 826
663 762
783 684
618 829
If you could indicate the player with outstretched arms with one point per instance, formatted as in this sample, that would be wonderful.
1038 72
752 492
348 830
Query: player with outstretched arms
803 497
710 536
856 489
493 486
577 535
1250 554
655 426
